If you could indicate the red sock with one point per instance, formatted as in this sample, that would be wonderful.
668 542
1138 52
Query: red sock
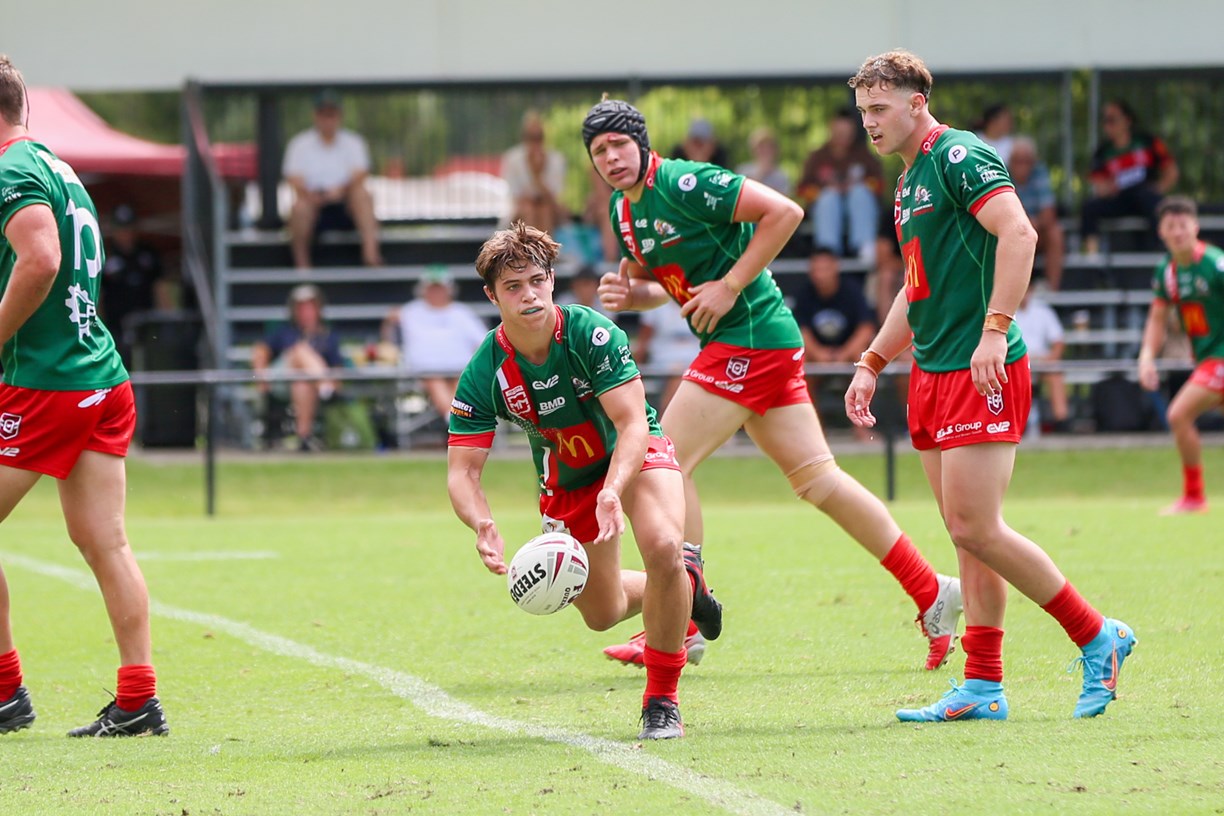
10 674
135 686
692 630
1076 615
1192 479
662 673
913 572
983 647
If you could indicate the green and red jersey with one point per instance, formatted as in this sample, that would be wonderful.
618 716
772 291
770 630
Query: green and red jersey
556 402
683 232
63 346
1197 292
949 256
1139 162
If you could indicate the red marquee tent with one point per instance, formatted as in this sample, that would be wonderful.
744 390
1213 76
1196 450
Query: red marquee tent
80 137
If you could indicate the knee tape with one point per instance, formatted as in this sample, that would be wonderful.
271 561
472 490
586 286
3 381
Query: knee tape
816 479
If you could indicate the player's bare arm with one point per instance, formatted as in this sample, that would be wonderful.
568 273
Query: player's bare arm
631 287
892 339
776 218
1153 341
464 467
34 237
1003 216
624 405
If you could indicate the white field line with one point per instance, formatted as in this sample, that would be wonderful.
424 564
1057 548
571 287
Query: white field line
435 702
202 555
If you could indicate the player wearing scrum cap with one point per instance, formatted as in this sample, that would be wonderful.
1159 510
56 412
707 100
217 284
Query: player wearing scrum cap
704 237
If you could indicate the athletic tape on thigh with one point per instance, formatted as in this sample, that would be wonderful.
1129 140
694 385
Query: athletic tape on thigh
816 479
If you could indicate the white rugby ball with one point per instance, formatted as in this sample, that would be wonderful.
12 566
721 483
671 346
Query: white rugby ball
547 573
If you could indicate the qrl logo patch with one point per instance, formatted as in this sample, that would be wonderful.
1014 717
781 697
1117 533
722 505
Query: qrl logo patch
994 403
10 424
517 401
737 368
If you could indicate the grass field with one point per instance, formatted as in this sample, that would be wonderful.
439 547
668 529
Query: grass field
331 644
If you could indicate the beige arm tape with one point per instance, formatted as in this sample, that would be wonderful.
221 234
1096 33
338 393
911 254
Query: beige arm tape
816 479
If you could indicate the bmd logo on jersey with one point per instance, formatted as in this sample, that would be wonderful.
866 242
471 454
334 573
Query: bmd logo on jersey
737 368
10 425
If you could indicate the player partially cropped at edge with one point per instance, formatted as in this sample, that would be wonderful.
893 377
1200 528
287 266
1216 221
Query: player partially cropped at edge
968 248
66 407
564 374
704 237
1191 281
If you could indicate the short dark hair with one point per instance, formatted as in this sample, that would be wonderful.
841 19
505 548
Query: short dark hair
515 248
821 250
12 92
1176 205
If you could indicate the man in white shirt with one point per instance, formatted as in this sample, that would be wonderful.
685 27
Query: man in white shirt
1043 334
535 176
327 166
437 336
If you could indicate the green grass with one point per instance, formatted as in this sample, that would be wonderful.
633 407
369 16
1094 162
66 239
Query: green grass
791 711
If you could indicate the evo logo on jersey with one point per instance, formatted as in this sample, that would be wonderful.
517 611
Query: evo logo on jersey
549 383
9 451
10 425
916 285
998 427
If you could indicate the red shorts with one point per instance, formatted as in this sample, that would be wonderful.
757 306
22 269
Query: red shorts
758 379
946 411
573 511
1210 375
46 431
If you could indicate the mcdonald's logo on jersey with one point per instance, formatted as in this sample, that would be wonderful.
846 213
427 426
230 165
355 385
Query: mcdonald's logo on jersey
1194 318
916 285
674 281
578 445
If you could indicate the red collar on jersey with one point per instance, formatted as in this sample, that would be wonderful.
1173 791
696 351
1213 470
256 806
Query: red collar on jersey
558 333
928 144
652 168
4 147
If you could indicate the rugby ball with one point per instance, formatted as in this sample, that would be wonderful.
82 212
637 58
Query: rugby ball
547 573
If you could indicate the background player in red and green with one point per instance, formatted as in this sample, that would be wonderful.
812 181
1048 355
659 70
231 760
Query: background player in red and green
564 374
66 406
968 249
1190 280
704 237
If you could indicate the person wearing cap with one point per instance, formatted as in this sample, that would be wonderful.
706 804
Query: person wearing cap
841 184
304 344
326 165
535 176
437 336
700 145
132 279
703 237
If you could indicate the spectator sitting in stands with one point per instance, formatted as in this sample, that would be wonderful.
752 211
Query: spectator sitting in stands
833 315
764 165
700 145
437 336
1043 334
841 185
327 166
535 176
304 344
584 289
132 279
665 342
1032 180
1131 171
995 129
